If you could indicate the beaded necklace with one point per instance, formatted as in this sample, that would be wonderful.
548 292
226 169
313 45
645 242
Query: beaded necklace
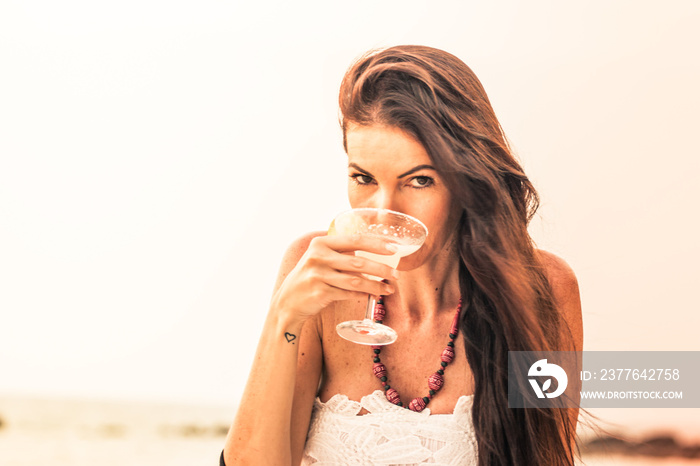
435 382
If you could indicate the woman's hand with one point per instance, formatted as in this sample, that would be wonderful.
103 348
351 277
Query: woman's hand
328 272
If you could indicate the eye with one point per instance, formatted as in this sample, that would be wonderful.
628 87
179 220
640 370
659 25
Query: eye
361 178
420 182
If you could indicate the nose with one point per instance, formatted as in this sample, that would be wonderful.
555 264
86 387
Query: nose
385 199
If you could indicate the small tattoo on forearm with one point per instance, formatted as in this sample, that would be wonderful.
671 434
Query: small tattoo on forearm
290 337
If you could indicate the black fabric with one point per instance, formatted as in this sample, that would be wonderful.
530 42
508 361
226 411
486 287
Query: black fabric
221 460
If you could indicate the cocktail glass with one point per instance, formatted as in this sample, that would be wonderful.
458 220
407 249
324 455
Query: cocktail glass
406 232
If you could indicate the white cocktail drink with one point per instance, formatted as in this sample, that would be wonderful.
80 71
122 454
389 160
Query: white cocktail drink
406 233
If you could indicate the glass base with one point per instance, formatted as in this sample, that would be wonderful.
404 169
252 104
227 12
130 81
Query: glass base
366 332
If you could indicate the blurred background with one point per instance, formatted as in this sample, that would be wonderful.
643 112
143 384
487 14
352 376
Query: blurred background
156 159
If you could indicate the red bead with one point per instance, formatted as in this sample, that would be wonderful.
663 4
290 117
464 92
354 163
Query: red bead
379 312
379 370
393 396
417 405
447 355
435 382
455 321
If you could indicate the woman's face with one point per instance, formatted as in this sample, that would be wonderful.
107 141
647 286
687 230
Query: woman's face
389 169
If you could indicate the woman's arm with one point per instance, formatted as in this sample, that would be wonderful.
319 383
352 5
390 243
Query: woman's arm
278 398
568 301
309 367
309 359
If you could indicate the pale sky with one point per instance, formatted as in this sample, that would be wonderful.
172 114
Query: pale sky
156 159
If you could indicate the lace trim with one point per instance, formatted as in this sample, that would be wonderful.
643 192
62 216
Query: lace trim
376 402
388 434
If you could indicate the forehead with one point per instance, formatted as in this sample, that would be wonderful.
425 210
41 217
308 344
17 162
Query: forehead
384 145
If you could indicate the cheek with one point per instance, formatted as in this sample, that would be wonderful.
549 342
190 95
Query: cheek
436 226
355 196
439 218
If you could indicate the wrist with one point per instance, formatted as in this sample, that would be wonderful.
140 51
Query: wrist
284 320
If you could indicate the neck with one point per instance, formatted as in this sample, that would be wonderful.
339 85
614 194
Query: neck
429 290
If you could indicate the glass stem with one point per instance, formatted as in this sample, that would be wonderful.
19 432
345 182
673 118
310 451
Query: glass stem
369 313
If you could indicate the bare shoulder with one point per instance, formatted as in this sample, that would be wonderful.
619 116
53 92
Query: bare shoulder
559 272
566 293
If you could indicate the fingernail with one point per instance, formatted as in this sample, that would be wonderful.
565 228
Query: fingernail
392 247
389 289
395 273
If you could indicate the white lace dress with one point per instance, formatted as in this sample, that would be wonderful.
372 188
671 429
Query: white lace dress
388 434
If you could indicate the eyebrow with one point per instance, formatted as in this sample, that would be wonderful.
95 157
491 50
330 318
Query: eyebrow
412 170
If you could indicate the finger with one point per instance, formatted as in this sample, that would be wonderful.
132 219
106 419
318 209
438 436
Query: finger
357 282
347 243
355 264
339 294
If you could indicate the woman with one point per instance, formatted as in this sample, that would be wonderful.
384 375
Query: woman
421 138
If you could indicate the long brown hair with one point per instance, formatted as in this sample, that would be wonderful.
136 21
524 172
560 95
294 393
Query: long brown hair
509 305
